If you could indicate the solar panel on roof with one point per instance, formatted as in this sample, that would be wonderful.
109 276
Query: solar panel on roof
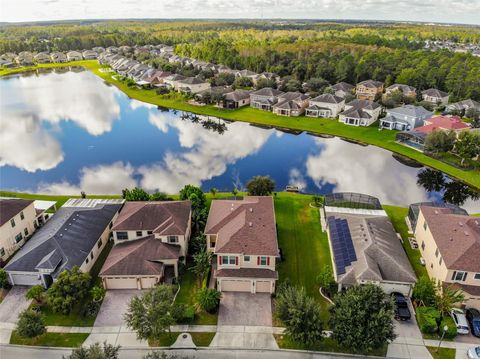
342 244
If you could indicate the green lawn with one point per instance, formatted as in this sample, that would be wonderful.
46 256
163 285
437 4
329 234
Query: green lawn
166 339
443 353
370 135
51 339
202 339
304 246
325 345
397 216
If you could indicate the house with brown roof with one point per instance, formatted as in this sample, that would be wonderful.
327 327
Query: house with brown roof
435 97
242 236
369 90
150 239
450 245
406 90
291 104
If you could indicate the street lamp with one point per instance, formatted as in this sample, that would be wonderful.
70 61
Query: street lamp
445 328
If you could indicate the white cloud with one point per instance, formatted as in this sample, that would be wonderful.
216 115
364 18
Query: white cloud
296 178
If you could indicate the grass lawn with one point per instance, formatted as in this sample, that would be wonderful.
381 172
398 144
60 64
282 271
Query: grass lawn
189 285
326 345
51 339
443 353
370 135
202 339
304 246
166 339
397 216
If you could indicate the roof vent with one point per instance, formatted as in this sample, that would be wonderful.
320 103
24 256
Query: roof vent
460 224
251 209
466 233
436 212
250 224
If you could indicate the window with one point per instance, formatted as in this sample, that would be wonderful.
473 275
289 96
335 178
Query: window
212 244
263 261
110 225
22 216
91 255
440 261
477 276
436 253
139 233
246 258
122 236
86 261
99 243
229 260
12 222
25 231
172 239
423 245
425 226
2 252
18 238
459 276
149 232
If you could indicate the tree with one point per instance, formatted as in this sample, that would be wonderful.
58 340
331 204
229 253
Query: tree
151 314
235 192
326 280
447 297
440 141
424 291
224 79
159 196
97 293
136 194
242 82
35 293
299 313
431 180
3 279
260 186
95 351
213 191
262 83
467 145
197 244
317 200
208 299
292 85
199 205
70 288
202 261
316 84
30 324
361 318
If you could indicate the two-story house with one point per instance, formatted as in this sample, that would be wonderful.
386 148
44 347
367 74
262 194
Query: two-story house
405 118
450 246
265 98
406 90
369 90
360 113
326 105
435 97
150 240
74 56
342 89
291 104
243 238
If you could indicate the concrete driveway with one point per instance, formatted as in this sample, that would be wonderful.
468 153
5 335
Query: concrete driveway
13 304
245 309
114 306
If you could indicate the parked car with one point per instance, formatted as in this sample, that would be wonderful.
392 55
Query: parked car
460 320
473 318
474 353
401 307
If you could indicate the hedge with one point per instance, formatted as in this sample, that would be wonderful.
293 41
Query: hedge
428 319
452 328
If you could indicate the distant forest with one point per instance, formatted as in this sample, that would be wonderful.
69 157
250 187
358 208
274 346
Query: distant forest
334 51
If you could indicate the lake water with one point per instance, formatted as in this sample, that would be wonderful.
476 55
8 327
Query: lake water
66 132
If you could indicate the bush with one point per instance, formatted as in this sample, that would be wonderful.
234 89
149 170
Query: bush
3 279
30 324
452 328
188 315
36 292
208 299
428 319
91 309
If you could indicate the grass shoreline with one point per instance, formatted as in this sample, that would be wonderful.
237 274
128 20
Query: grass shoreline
368 135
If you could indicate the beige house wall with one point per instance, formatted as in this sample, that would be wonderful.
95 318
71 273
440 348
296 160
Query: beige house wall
96 250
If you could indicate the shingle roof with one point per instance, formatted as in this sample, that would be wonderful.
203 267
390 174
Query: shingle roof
246 273
410 110
327 98
191 81
164 218
456 236
139 257
363 104
267 91
356 113
291 96
401 87
371 83
434 93
343 86
237 95
246 226
9 208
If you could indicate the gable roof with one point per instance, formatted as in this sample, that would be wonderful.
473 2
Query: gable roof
343 86
363 104
456 236
268 92
434 93
163 218
371 83
139 257
246 226
327 98
9 208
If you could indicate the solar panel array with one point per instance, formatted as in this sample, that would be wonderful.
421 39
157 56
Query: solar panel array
342 244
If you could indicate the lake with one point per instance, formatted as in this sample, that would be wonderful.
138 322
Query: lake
67 131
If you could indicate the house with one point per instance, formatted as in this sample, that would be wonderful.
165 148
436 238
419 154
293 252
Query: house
291 104
326 105
450 245
266 76
42 58
265 98
74 236
407 91
112 50
369 90
192 85
90 54
74 56
463 106
360 113
246 73
435 97
6 63
150 240
173 80
242 236
343 89
58 57
365 249
25 58
214 94
236 99
98 49
405 118
155 77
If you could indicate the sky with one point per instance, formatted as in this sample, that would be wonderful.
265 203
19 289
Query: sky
448 11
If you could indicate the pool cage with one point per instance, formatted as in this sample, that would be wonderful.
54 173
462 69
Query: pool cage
352 200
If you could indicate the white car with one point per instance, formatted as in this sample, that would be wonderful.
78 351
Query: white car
460 321
474 353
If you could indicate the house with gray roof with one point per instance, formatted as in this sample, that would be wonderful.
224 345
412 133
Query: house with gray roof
463 106
360 113
192 85
291 104
74 56
74 236
366 249
326 105
236 99
405 118
42 58
343 89
265 98
58 57
406 90
435 97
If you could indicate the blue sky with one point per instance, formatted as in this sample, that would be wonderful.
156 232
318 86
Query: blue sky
450 11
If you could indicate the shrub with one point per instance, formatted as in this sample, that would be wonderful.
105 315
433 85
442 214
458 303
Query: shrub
36 292
428 319
91 309
97 293
30 324
3 279
208 299
188 315
452 328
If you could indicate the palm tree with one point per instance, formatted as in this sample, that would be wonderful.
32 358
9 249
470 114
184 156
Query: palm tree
213 191
235 192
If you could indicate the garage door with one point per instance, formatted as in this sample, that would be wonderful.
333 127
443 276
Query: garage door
121 283
230 285
148 282
25 279
263 286
396 287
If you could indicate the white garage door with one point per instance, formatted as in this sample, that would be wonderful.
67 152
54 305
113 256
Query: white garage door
231 285
396 287
148 282
263 286
121 283
25 279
